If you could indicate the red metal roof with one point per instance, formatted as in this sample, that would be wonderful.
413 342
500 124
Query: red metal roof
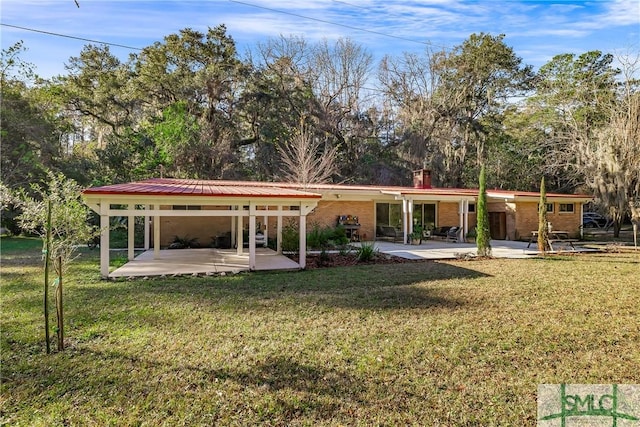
193 187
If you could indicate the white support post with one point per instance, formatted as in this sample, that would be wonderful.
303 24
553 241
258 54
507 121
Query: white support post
279 231
252 237
239 230
404 221
104 244
410 215
156 237
234 223
581 222
265 229
303 240
465 209
131 228
147 231
461 215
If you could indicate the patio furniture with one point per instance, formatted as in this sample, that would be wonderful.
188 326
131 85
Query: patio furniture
555 236
449 233
387 232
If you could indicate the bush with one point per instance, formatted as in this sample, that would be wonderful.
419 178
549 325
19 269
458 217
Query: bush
367 252
326 237
184 243
290 237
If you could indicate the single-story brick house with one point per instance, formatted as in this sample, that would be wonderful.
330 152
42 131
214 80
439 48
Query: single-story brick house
228 213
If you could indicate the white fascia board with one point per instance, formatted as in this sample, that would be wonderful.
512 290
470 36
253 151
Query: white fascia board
136 205
439 198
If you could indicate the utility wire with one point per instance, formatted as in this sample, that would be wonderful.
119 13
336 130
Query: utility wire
68 36
357 6
329 22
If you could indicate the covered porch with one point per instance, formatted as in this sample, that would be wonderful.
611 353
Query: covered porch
240 204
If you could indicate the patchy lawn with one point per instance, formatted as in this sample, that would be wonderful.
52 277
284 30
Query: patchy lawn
423 343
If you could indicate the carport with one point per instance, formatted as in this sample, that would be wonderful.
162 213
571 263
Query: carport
156 198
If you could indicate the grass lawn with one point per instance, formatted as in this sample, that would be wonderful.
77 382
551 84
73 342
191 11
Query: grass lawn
432 343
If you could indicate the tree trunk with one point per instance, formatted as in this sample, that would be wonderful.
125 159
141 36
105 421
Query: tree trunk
59 308
47 257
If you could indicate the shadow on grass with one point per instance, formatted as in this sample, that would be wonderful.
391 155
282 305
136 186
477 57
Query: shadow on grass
281 387
393 286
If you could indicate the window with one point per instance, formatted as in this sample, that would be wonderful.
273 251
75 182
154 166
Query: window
549 207
566 207
424 216
389 214
186 208
472 207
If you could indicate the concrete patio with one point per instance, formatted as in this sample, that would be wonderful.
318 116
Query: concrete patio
201 261
440 249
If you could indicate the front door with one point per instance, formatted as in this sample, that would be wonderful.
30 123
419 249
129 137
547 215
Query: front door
498 225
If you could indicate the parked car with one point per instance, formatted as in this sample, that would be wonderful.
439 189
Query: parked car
594 220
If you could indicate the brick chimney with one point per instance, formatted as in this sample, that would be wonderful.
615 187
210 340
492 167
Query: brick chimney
422 178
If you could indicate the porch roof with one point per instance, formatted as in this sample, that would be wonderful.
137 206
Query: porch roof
193 187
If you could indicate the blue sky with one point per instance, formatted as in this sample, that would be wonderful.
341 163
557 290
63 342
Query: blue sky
537 30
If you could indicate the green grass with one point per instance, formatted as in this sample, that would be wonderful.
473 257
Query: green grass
449 343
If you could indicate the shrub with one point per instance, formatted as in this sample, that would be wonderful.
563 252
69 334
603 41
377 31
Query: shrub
290 237
184 242
367 252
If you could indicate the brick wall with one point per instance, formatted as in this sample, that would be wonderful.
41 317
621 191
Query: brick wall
447 214
527 219
202 227
327 212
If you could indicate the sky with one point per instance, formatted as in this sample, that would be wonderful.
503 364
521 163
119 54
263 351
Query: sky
537 30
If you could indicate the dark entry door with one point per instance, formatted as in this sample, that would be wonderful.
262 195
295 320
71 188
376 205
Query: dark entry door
498 225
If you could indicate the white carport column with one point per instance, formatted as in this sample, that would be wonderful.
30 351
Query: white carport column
410 215
131 228
156 237
461 214
279 231
405 211
104 240
303 240
239 230
265 228
252 236
147 233
465 206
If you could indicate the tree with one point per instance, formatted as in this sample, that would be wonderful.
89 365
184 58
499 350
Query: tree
305 162
338 75
483 237
451 102
589 114
277 96
543 224
59 216
28 132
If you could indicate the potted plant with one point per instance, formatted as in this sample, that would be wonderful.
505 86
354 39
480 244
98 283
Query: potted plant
416 235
